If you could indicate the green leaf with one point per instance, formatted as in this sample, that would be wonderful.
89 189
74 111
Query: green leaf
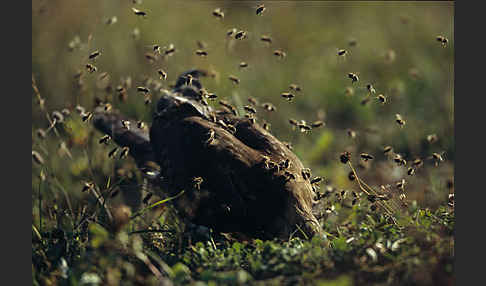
180 272
340 244
98 235
139 213
343 280
237 247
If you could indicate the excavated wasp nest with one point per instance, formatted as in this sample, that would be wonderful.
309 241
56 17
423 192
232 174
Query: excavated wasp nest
236 176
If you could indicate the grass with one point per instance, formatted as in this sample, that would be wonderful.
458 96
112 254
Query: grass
124 231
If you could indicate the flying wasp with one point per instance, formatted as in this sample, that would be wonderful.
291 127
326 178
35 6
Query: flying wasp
293 122
437 158
211 96
201 53
285 164
147 198
345 157
279 53
113 152
351 176
267 39
240 35
381 98
387 149
147 99
443 40
37 157
79 109
108 107
342 52
399 120
252 101
317 124
249 109
122 93
218 13
162 74
234 79
411 171
87 186
197 181
41 133
370 88
432 138
266 161
66 112
91 68
111 21
211 137
157 50
230 32
94 55
87 116
126 124
124 152
231 128
306 173
304 127
274 167
399 160
289 176
143 89
353 77
58 117
295 87
366 156
105 139
400 184
150 57
266 125
287 95
139 12
260 9
170 50
417 162
316 180
351 133
450 200
268 106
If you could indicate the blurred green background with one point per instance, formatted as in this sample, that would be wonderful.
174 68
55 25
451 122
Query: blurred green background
396 50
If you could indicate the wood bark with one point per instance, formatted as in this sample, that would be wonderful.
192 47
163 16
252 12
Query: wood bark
235 179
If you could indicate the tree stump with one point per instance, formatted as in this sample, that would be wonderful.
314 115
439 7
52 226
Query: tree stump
237 177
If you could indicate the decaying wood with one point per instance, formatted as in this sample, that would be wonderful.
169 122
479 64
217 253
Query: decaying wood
136 139
234 172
